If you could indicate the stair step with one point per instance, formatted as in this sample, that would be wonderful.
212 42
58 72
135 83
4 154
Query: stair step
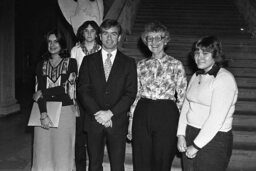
244 122
189 40
181 46
188 21
232 63
249 94
246 106
248 158
234 53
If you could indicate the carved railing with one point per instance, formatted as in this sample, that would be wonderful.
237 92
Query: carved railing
248 10
125 12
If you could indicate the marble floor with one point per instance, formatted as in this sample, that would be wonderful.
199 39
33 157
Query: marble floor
15 135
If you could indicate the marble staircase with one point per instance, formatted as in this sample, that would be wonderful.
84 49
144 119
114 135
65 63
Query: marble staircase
187 22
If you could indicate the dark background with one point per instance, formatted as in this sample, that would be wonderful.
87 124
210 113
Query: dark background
33 19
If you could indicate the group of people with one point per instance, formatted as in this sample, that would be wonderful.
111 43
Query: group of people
149 103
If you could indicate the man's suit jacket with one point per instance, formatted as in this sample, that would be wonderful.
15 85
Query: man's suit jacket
116 94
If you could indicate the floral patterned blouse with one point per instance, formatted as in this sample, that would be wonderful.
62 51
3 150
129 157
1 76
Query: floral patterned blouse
161 79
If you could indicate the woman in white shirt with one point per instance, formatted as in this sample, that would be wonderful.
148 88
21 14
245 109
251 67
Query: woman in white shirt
205 126
88 43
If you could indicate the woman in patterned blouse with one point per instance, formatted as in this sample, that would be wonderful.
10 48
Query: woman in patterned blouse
56 77
155 112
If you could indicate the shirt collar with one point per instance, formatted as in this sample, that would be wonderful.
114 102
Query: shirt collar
161 59
104 55
213 71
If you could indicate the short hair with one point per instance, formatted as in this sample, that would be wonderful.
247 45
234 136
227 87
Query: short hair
61 40
155 27
212 45
80 31
108 23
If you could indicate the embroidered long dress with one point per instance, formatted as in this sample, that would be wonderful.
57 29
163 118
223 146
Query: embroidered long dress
53 149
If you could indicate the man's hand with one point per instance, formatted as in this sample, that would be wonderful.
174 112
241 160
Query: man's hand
103 116
108 124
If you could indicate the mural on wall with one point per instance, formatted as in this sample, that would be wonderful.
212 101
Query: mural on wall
76 12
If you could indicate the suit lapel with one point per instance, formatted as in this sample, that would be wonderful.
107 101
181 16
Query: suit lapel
99 67
116 67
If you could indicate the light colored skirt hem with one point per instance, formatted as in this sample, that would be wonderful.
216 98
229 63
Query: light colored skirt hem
54 149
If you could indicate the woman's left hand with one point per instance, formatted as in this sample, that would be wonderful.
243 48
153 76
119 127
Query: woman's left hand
37 95
191 152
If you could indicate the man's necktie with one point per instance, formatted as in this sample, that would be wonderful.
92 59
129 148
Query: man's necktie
107 65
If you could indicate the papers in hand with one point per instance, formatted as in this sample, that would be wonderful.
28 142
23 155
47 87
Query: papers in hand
53 111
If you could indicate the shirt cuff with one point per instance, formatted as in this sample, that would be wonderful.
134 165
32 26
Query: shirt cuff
196 147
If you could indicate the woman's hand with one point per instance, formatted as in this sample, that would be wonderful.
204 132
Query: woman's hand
182 144
46 122
37 95
191 152
129 135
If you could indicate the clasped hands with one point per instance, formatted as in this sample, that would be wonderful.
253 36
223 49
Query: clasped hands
104 118
190 151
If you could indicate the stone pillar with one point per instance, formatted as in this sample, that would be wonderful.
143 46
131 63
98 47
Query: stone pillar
8 103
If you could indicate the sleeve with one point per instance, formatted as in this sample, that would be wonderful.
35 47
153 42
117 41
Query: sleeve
138 96
40 86
70 84
73 52
181 85
130 91
84 89
223 97
182 125
183 119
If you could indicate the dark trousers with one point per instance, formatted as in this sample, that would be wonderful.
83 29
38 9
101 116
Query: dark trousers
214 156
116 143
154 135
80 144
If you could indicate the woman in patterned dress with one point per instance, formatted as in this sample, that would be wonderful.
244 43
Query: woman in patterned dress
155 112
53 148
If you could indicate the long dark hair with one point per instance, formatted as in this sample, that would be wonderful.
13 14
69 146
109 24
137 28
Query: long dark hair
64 53
80 31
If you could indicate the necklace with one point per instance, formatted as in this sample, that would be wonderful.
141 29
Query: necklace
199 79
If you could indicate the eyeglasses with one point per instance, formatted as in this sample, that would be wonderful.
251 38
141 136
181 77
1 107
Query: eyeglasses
156 38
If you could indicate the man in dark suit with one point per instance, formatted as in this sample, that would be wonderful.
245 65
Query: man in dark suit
107 87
